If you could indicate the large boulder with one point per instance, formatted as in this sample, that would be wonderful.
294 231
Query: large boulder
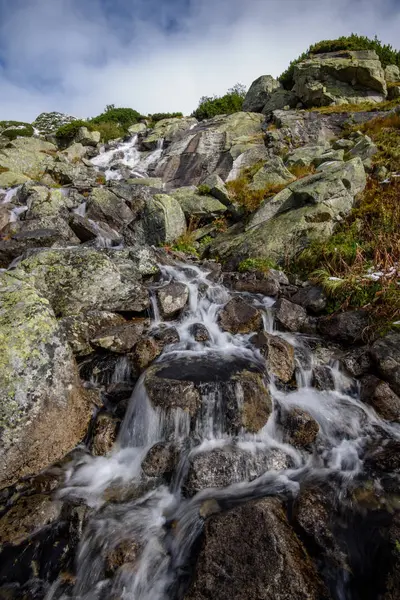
259 93
196 205
251 552
76 279
348 327
168 130
278 353
378 394
272 173
44 411
172 299
339 78
278 100
238 316
163 220
49 122
86 137
104 205
82 328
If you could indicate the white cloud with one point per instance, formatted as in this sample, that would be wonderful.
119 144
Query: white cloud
58 58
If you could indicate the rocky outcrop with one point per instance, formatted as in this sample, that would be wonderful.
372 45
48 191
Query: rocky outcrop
260 93
339 78
239 317
44 410
163 220
305 210
386 356
256 533
198 206
210 147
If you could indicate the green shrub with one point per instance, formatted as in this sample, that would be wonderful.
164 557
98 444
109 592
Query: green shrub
68 132
387 54
203 190
109 131
124 117
14 129
256 264
211 106
160 116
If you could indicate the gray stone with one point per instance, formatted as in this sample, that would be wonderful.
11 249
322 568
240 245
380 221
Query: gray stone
172 299
80 329
168 130
259 93
163 220
278 353
280 99
217 188
196 205
120 338
273 173
311 297
377 393
392 73
291 316
348 327
86 137
300 428
365 149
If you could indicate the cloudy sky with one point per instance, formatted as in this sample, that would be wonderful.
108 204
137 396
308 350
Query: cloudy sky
76 56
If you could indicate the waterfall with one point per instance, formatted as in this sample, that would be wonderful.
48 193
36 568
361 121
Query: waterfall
146 507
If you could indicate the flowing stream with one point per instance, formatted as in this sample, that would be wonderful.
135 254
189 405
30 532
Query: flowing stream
162 522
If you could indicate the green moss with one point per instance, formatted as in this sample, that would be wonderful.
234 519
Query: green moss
256 264
203 190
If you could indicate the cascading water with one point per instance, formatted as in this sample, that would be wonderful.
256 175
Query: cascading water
127 155
161 523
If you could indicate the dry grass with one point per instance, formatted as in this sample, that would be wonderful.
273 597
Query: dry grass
351 108
300 171
250 199
4 169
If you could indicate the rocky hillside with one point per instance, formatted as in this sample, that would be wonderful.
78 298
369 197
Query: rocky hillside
234 279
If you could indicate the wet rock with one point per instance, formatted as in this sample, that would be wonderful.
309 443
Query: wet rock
28 515
76 279
229 464
254 282
150 347
348 327
172 299
312 298
240 317
357 361
322 378
251 552
279 355
44 411
377 393
145 352
199 332
291 316
385 354
168 393
160 461
80 329
256 402
104 434
126 552
386 458
120 338
300 428
168 130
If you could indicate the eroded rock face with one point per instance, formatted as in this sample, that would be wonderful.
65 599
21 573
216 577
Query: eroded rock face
251 552
80 329
120 338
44 410
347 328
239 317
